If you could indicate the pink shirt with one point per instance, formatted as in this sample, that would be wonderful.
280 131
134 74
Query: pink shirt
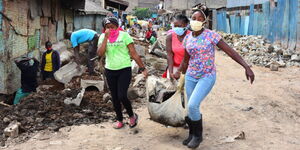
178 49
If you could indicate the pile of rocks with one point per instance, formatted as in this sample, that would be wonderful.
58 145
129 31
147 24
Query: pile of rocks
46 109
258 51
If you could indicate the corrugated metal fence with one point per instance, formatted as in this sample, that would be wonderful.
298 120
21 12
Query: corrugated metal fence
278 24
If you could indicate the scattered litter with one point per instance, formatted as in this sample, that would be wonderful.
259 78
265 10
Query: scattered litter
231 139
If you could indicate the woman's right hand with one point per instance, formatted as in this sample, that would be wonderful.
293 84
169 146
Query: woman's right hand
107 33
145 73
176 75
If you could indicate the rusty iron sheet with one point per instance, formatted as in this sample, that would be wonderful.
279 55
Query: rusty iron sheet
16 45
52 32
33 25
69 16
44 34
60 28
46 8
33 7
44 21
17 11
55 10
70 27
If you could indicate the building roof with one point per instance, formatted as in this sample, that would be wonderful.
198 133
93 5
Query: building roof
93 8
118 4
239 3
213 3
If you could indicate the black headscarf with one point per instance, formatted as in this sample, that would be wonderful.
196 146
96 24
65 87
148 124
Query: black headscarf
108 20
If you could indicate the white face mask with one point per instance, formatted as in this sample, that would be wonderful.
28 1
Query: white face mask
196 25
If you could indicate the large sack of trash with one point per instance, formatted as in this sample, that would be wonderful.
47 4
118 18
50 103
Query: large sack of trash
166 101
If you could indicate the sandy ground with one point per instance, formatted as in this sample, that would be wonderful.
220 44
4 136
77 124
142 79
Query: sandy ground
272 124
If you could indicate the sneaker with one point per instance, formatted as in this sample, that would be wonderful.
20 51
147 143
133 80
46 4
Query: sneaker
133 121
118 125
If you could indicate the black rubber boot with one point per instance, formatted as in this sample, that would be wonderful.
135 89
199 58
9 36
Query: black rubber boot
188 121
197 136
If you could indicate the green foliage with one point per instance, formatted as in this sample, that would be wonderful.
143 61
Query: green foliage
142 13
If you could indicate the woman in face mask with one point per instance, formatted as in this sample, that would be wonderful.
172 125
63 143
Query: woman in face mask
174 46
200 71
118 48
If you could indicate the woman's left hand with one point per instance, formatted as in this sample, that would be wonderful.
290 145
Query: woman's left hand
250 75
145 73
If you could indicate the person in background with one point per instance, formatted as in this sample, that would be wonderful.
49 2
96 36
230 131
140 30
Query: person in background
29 68
174 47
83 36
120 21
118 48
50 62
200 70
150 33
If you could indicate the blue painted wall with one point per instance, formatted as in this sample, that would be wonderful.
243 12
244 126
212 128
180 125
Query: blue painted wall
276 24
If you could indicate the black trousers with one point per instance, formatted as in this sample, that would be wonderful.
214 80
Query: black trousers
46 75
92 52
118 82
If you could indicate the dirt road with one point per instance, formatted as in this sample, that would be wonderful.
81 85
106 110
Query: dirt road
268 112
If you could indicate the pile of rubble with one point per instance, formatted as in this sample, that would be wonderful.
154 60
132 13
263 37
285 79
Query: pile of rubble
258 51
52 106
46 109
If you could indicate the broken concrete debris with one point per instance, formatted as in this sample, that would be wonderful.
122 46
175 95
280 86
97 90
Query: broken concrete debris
258 51
12 130
76 101
67 72
274 67
107 97
96 83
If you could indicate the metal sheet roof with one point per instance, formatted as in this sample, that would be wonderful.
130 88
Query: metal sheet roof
239 3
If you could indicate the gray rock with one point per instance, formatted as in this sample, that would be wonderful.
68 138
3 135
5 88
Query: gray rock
107 97
160 65
245 50
274 67
6 120
270 49
138 79
295 57
140 50
132 94
160 53
12 130
281 63
288 53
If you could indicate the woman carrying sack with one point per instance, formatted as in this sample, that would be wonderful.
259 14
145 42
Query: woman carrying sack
199 66
174 46
117 46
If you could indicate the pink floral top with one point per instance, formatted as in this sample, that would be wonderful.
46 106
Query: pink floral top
202 53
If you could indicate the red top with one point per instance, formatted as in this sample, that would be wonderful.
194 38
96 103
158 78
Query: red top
177 49
148 34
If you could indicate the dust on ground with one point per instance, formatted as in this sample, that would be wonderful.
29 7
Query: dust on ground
268 112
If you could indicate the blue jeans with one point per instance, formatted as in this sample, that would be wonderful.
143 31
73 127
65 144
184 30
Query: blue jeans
196 90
